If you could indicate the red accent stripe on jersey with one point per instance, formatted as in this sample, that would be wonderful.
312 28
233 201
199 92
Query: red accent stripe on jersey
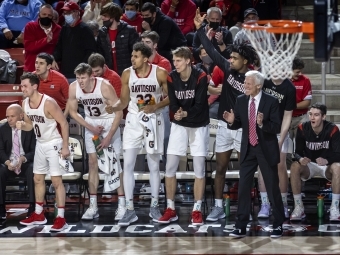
29 102
147 74
203 74
94 87
169 79
334 130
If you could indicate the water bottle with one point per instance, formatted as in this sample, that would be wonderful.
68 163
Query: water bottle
320 205
96 142
226 200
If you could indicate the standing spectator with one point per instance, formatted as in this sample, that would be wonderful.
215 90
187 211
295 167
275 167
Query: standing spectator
52 83
100 69
92 11
170 36
220 35
76 42
116 38
267 9
14 15
40 36
132 15
183 13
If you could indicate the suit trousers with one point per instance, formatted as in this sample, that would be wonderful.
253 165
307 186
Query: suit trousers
5 174
256 157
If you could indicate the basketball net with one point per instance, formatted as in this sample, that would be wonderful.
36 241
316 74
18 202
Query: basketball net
276 51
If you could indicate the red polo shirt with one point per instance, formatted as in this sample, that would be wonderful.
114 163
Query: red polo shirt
162 62
303 92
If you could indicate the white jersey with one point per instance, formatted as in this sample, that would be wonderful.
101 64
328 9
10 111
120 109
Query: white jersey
45 129
94 102
143 88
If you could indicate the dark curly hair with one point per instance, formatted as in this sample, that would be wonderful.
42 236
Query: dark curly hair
298 63
245 50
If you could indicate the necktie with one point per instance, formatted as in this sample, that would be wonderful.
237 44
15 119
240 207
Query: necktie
252 124
16 149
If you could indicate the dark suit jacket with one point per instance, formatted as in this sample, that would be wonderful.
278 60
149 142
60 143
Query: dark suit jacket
28 141
267 138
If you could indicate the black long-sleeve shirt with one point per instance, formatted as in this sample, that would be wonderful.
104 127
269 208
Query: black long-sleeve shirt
233 83
326 144
191 95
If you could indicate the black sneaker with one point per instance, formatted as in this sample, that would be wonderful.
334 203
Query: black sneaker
277 232
2 212
238 232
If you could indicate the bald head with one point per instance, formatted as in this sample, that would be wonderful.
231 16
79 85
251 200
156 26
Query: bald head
14 113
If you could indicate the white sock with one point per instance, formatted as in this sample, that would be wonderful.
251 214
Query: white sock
154 201
129 205
38 208
218 203
61 212
93 201
264 198
335 200
170 204
197 205
121 201
298 200
284 198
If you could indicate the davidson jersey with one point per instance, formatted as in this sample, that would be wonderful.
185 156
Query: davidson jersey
94 102
143 88
45 129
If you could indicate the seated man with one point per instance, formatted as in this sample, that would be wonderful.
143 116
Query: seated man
16 156
318 154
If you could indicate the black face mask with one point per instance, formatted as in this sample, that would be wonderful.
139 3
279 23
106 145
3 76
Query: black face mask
214 25
46 21
148 19
107 23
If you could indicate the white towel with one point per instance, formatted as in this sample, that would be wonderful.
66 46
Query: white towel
110 165
149 121
65 164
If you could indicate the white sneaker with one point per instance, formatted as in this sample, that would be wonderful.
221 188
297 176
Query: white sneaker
120 211
334 214
90 214
298 213
265 211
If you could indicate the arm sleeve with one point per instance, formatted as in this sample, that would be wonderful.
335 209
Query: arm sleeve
300 143
3 156
31 44
58 47
164 33
189 22
334 155
237 121
174 106
65 88
3 15
200 98
165 8
195 45
133 38
89 44
217 58
307 90
291 100
273 124
88 14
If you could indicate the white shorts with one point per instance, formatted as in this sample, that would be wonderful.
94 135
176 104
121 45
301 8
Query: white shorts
316 170
134 133
197 138
46 158
285 144
227 139
107 124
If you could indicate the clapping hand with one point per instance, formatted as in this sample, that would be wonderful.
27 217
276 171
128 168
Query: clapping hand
229 116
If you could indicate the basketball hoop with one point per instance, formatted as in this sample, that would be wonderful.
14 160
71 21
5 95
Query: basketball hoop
277 43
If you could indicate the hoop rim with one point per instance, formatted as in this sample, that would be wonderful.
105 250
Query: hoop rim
282 26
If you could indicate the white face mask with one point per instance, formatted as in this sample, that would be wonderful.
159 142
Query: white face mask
69 19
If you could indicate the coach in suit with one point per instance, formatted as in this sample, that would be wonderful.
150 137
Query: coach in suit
257 113
8 168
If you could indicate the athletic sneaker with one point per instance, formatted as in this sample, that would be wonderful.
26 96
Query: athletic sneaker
34 219
129 217
146 188
298 213
265 211
155 214
277 232
334 214
238 233
196 218
90 214
216 214
169 215
286 211
59 224
120 211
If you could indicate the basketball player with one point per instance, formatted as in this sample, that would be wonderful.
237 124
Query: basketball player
94 93
142 83
187 87
226 140
285 92
42 113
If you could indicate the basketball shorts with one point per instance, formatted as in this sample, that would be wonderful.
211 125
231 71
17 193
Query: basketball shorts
227 139
316 170
285 144
196 138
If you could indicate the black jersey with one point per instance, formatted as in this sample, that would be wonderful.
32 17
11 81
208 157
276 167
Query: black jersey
326 144
233 83
191 95
285 93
